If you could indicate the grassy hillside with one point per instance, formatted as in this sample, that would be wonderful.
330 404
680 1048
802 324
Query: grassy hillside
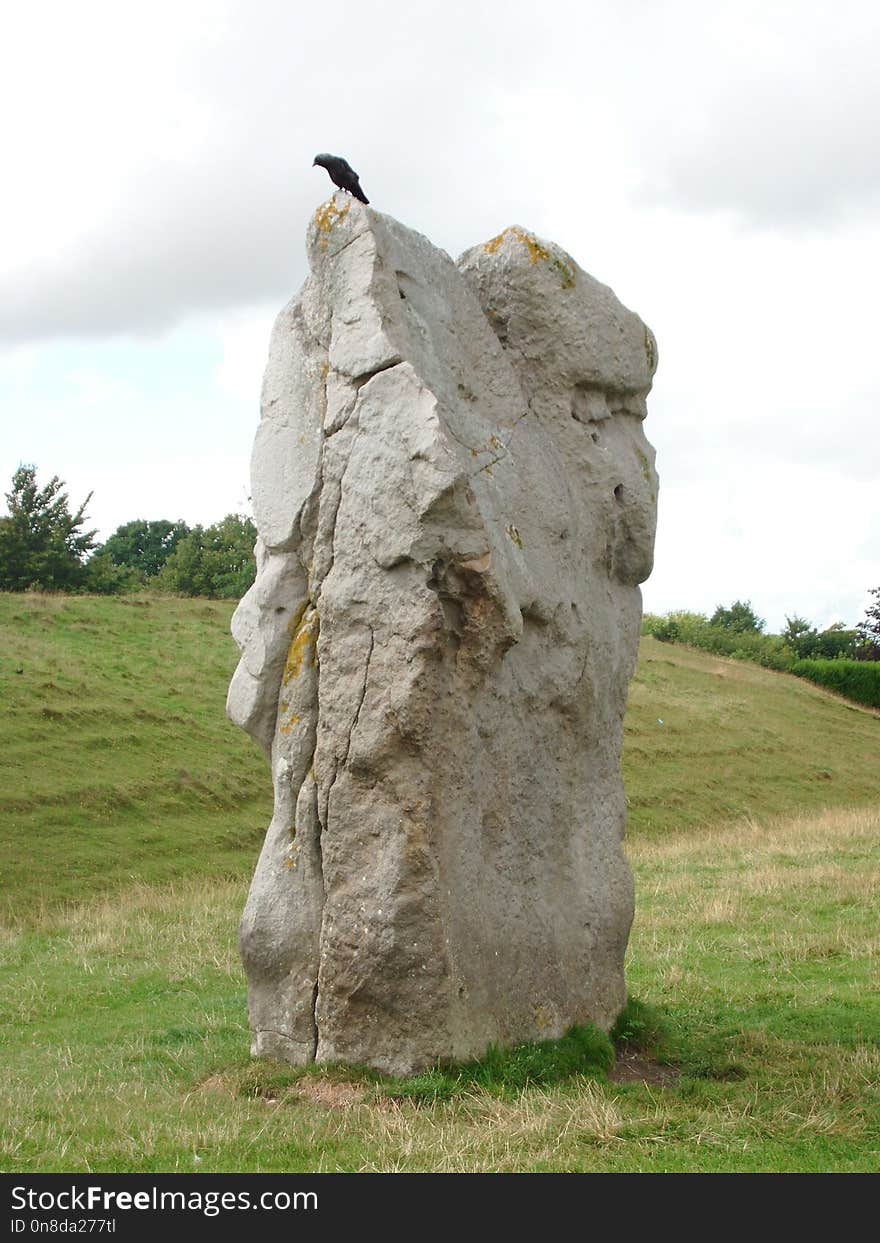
131 814
118 765
116 760
738 741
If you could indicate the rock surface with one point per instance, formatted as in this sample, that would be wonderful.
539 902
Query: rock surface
455 502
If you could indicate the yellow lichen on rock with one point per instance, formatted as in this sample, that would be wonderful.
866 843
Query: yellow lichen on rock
304 642
293 624
531 243
328 215
536 252
533 246
494 244
650 349
566 274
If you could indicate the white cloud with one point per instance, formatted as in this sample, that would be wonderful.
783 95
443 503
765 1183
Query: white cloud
165 168
783 129
244 337
161 160
162 156
802 540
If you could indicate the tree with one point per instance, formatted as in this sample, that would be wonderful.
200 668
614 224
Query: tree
869 629
740 618
835 642
144 546
103 577
41 543
800 636
215 561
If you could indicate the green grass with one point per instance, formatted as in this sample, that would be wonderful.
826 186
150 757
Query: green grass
116 761
124 1038
738 741
581 1051
117 764
131 817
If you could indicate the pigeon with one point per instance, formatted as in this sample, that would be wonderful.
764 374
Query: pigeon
341 174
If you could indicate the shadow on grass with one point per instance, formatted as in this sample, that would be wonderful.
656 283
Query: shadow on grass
583 1052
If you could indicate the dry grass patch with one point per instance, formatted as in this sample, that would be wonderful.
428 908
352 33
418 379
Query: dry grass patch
184 926
750 840
333 1093
481 1133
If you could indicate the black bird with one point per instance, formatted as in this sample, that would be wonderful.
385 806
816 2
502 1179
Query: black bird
341 174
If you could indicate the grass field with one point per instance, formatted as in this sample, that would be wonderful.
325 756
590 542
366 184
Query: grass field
116 761
131 818
738 741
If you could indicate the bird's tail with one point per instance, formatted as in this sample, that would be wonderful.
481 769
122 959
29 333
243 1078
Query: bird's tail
359 194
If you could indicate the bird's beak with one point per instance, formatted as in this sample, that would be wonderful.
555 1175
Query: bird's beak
314 162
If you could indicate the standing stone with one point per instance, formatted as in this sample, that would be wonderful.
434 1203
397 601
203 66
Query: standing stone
456 503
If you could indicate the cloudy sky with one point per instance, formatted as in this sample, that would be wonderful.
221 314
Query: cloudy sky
718 164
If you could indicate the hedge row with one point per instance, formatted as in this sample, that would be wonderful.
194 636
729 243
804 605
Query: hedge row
694 630
858 680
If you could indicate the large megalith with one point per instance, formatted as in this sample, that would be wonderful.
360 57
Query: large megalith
455 503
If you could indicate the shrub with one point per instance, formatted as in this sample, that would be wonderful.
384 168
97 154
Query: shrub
103 577
868 644
740 618
679 626
695 630
143 546
855 679
217 561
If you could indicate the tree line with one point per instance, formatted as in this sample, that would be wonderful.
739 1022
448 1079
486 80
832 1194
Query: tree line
736 630
841 659
45 546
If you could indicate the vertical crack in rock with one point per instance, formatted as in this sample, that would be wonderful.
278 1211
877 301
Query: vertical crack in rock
319 860
363 695
339 766
314 1049
477 630
329 500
